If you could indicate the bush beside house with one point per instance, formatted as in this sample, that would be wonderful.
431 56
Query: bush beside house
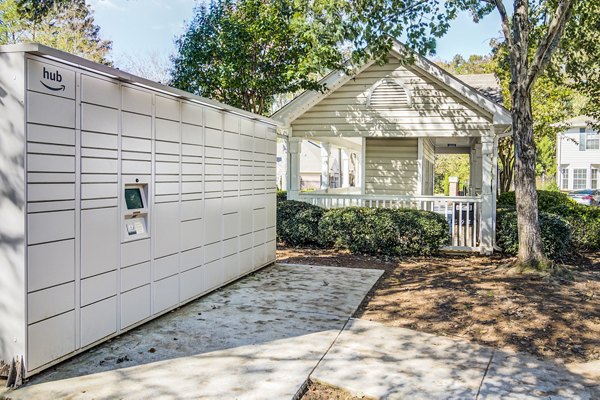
566 226
383 231
584 221
556 233
298 223
363 230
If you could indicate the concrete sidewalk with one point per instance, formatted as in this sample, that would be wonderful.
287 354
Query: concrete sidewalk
384 362
258 338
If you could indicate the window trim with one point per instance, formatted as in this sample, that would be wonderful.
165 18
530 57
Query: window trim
392 81
592 136
564 181
578 180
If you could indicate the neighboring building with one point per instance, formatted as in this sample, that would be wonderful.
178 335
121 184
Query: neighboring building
396 117
342 172
578 156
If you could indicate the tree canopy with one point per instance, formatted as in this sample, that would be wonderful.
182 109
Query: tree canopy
64 25
579 55
246 51
474 64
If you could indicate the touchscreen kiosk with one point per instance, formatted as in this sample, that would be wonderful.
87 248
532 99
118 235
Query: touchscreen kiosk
136 211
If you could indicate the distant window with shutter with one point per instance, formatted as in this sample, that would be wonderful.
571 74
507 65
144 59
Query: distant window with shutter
588 140
595 178
388 94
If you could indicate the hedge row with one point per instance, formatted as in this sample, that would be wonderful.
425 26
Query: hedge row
584 221
363 230
298 223
566 227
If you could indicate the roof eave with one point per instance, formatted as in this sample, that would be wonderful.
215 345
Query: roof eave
79 62
500 115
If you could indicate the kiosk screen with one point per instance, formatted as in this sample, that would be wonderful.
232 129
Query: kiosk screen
133 198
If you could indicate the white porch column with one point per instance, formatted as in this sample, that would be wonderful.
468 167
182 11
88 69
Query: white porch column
325 156
285 165
420 165
477 171
293 172
345 168
359 171
362 159
487 194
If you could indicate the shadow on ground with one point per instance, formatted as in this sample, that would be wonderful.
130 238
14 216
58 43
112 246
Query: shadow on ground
385 362
260 335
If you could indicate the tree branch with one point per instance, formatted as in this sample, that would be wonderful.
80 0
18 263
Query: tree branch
550 41
504 20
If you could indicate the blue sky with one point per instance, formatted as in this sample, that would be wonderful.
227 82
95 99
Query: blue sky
139 27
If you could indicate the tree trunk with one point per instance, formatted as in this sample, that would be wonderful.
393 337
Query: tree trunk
506 156
531 248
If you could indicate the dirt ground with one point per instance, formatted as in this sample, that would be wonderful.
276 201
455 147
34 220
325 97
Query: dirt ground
319 391
476 298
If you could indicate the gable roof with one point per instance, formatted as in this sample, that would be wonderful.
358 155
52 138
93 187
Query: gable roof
581 121
299 105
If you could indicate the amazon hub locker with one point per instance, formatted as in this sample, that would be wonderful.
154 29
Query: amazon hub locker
120 199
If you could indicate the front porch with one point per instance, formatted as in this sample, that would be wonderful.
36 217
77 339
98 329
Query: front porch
399 173
395 117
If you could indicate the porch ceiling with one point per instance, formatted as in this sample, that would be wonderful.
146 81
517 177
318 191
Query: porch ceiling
452 145
452 141
352 143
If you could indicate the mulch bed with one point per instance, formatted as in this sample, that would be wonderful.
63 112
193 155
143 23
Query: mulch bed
477 298
319 391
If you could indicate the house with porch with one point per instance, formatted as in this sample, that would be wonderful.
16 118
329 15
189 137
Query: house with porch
396 117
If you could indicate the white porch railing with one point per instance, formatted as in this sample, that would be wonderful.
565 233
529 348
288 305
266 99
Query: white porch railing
462 213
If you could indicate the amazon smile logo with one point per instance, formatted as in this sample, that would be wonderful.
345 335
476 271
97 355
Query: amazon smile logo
55 77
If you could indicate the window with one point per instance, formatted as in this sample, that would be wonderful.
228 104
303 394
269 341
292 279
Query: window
579 178
564 173
592 141
588 140
595 178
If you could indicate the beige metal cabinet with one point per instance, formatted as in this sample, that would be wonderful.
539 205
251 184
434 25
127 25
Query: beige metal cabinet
125 199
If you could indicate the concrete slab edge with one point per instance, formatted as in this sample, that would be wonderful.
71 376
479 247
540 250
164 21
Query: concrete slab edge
304 387
487 368
302 390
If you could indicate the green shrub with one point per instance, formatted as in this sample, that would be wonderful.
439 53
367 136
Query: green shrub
556 233
384 231
548 201
584 220
586 227
281 195
298 222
